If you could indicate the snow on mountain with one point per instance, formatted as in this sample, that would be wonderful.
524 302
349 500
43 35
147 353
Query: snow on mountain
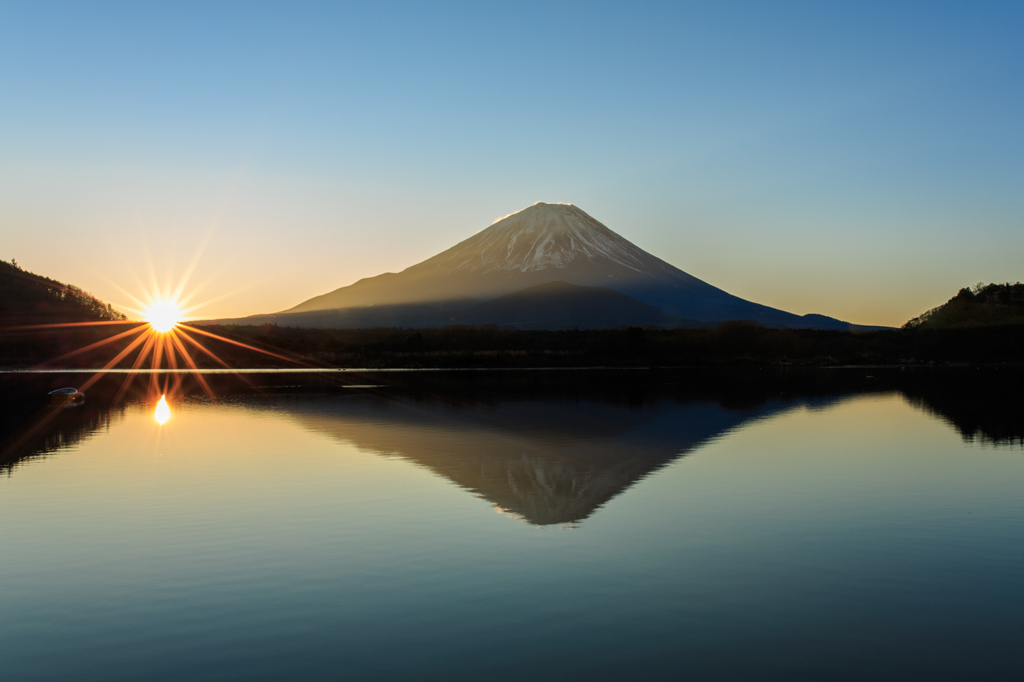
553 237
542 236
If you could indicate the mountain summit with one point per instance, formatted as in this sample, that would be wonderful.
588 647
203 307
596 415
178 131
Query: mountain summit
541 237
538 245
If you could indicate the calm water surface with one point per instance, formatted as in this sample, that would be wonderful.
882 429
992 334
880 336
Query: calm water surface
859 527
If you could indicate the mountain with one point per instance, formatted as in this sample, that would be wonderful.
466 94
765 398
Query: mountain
27 298
539 245
989 305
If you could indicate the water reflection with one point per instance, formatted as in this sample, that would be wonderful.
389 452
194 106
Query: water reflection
162 412
549 448
32 427
301 527
546 461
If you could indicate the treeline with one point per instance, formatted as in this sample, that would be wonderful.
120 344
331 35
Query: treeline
27 298
982 305
731 343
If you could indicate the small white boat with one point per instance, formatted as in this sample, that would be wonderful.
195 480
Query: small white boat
66 394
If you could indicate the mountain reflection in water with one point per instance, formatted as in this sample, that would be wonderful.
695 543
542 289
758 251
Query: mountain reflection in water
551 450
545 461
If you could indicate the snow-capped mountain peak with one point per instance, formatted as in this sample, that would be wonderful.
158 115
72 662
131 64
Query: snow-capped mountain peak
539 237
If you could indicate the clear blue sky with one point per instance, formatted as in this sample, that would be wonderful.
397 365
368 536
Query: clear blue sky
862 160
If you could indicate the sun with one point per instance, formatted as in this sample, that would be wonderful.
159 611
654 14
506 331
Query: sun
163 316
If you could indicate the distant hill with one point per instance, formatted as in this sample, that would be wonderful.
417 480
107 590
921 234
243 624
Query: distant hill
981 306
537 246
28 298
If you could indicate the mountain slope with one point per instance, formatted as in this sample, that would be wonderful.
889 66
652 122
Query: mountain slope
558 305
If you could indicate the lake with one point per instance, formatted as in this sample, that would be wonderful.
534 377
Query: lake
714 525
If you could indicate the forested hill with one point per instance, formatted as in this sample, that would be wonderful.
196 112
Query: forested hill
984 305
27 298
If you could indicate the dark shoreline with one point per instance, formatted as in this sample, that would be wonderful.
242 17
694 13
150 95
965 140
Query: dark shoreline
731 344
51 370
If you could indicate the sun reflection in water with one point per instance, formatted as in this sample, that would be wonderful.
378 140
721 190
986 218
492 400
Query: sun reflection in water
163 411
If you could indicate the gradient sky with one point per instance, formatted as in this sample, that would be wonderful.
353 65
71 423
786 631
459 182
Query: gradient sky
861 160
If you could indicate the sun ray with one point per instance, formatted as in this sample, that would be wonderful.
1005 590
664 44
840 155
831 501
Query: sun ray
148 257
173 382
158 348
92 346
204 349
172 257
191 363
138 313
213 277
208 301
213 356
58 325
193 264
117 358
129 378
143 354
196 330
124 291
172 360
